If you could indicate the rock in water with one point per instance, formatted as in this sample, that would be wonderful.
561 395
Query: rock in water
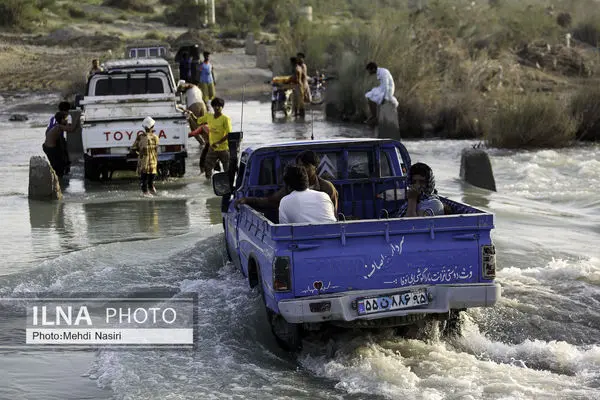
43 182
476 169
18 117
387 122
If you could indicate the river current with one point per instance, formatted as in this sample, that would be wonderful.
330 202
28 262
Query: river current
542 341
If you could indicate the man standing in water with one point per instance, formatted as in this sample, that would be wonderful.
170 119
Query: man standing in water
63 106
146 144
298 79
382 94
307 96
217 148
194 101
52 145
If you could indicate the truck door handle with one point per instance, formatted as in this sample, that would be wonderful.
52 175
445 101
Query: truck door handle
303 246
466 236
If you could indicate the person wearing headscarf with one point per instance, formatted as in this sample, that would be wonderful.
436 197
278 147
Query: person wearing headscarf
421 194
146 145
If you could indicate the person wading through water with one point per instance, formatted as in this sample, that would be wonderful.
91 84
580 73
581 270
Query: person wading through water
63 106
146 144
306 87
217 147
52 145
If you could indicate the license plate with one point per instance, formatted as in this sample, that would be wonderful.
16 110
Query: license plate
392 302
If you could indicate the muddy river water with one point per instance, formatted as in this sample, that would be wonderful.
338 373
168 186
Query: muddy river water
542 341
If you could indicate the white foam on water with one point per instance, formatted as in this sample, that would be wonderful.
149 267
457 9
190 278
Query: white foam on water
472 368
557 271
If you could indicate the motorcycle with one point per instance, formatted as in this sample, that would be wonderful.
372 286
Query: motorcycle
318 87
281 96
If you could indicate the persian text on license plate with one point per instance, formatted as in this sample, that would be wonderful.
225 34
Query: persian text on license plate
392 302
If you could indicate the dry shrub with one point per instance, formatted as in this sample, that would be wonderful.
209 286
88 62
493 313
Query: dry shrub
154 35
458 117
76 12
19 14
530 121
133 5
564 20
412 118
585 108
587 32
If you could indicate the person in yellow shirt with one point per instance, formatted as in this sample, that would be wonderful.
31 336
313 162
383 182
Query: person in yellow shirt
219 126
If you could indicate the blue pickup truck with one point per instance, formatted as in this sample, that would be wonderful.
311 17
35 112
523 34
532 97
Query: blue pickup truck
367 270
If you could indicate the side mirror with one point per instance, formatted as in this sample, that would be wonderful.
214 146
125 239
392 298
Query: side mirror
221 184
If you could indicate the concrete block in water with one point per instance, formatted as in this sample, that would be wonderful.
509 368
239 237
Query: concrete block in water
476 168
250 45
262 57
43 182
387 122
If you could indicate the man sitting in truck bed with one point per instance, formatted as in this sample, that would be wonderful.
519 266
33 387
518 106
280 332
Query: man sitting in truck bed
310 161
303 204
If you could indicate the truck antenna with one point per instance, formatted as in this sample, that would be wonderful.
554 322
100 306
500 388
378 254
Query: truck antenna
312 124
242 116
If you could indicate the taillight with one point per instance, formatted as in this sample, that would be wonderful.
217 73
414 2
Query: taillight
96 152
173 148
488 261
282 280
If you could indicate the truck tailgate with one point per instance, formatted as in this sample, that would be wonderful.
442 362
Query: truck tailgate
101 134
388 254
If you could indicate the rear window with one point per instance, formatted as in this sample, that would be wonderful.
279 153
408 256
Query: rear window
330 165
360 164
118 86
267 172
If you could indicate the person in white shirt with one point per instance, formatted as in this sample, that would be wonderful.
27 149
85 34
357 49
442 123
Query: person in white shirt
193 100
303 205
382 93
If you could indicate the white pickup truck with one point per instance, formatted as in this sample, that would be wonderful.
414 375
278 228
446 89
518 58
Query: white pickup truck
116 102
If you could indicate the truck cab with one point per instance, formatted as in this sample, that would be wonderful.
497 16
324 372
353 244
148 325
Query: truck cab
369 269
115 103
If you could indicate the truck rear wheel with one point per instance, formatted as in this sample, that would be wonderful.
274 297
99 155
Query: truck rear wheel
177 169
453 326
91 171
288 336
